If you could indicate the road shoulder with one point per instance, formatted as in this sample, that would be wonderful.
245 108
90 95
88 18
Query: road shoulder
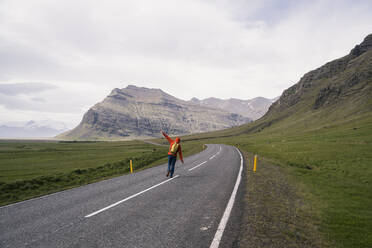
273 210
231 236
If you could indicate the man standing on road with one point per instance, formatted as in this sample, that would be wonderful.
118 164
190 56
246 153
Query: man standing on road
174 148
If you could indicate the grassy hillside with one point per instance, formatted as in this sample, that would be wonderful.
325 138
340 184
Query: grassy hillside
333 165
320 133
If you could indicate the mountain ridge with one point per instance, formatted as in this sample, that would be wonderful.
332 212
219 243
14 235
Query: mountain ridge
253 108
139 112
32 129
334 81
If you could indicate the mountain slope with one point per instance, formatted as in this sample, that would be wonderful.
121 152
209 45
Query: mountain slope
135 112
341 88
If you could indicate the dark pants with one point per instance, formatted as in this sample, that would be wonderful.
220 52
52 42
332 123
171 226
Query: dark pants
171 164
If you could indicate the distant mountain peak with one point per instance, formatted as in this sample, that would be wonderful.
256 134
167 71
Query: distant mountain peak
252 108
137 88
142 94
134 112
132 86
30 123
32 129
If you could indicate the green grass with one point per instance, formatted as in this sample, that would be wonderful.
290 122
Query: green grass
21 161
32 169
335 165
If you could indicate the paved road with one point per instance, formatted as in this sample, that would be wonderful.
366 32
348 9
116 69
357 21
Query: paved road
144 209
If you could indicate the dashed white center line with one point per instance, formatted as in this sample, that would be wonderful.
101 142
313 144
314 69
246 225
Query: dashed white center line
197 166
130 197
139 193
215 154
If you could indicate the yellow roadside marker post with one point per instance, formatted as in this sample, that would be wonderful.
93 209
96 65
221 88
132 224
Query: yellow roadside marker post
255 163
131 166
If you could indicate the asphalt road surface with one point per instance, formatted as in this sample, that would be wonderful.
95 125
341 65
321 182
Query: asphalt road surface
144 209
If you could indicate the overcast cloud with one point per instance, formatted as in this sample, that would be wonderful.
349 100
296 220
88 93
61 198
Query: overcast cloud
81 49
24 88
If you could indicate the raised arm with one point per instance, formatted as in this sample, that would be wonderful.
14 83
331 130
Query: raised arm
167 137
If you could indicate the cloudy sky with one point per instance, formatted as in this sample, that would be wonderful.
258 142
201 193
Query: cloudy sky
58 58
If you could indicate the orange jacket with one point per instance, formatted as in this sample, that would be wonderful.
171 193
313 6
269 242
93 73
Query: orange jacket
171 142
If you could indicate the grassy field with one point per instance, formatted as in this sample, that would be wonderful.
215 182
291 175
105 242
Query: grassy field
334 165
22 161
29 169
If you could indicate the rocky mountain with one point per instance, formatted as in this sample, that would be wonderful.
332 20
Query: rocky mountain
254 108
135 112
338 91
32 129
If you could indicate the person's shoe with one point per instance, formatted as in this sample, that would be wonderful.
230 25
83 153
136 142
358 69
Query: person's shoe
171 175
167 174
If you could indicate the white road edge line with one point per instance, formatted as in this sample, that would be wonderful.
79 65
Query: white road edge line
130 197
221 227
197 166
